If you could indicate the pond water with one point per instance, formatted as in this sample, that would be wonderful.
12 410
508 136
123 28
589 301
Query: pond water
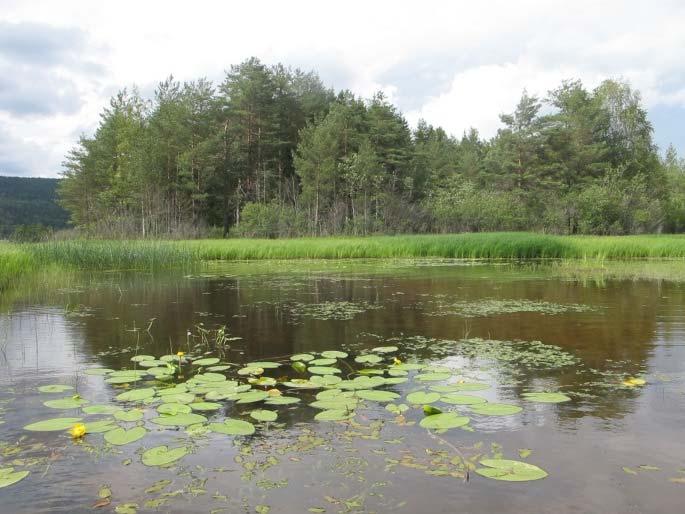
469 336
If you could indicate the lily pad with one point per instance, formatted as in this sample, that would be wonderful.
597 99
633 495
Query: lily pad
101 409
337 403
141 358
121 436
385 349
546 397
305 357
205 406
136 395
264 415
334 354
462 399
55 388
52 425
264 365
323 370
334 415
282 400
496 409
66 403
421 397
444 421
9 477
377 396
233 427
171 409
369 358
163 455
179 420
432 377
208 361
252 396
510 470
179 398
98 371
129 415
250 370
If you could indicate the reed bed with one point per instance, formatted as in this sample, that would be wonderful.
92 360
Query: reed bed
16 260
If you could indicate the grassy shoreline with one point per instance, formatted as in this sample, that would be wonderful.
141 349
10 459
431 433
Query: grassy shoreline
17 260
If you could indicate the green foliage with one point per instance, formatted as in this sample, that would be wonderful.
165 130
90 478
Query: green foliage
28 208
270 152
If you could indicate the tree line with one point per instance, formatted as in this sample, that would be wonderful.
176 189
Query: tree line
273 152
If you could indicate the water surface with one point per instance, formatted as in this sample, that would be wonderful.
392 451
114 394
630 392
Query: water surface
612 448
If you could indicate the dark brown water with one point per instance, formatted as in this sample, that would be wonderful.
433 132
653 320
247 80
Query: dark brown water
610 331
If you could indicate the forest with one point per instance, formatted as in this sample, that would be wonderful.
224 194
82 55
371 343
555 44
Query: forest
28 208
273 152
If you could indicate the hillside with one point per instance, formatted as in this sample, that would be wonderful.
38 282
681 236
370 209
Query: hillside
29 201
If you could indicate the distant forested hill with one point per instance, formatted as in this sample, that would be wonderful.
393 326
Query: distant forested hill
29 201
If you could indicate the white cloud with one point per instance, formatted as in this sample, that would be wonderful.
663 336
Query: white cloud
456 64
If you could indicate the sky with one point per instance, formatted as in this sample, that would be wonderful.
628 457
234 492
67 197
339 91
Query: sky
456 64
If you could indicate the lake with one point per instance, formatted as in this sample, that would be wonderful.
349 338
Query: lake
369 343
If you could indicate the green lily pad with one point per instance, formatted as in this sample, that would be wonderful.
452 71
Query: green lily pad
546 397
337 403
397 409
396 380
377 396
121 436
205 406
323 370
363 382
263 381
334 354
141 358
9 477
510 470
55 388
325 380
129 415
151 363
454 388
264 415
136 395
98 371
250 370
462 399
444 421
52 425
178 398
101 409
66 403
305 357
300 383
420 397
124 379
222 367
171 409
369 358
334 415
209 361
179 420
252 396
264 365
210 377
432 377
282 400
163 455
233 427
496 409
385 349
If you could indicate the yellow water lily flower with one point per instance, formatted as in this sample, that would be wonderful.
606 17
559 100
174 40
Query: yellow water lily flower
396 361
632 382
78 431
180 354
274 392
